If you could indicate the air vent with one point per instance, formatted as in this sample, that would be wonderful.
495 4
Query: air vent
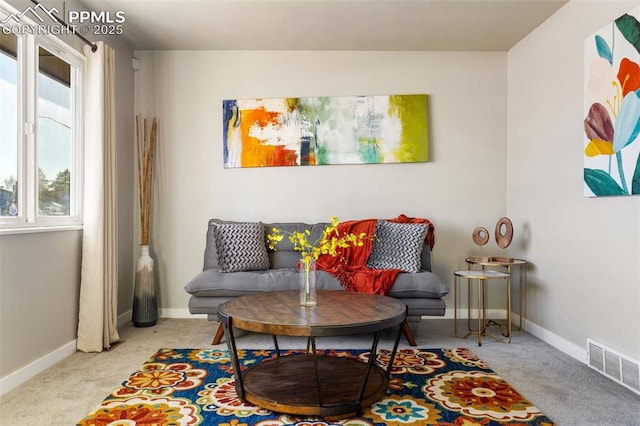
614 365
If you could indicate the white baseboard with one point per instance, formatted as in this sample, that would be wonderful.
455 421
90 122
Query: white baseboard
560 343
462 314
124 318
20 376
179 313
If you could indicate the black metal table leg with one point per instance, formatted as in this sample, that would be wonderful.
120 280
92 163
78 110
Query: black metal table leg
233 354
395 347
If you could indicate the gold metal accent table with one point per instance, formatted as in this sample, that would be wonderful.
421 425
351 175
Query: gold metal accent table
507 263
309 383
481 277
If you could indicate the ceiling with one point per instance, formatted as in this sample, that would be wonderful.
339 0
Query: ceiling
400 25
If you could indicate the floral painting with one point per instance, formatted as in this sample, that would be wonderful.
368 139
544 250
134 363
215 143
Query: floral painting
612 109
325 130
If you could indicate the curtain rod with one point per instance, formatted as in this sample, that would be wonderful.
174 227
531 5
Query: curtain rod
94 46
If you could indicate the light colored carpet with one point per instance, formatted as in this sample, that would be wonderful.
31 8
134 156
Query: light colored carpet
566 390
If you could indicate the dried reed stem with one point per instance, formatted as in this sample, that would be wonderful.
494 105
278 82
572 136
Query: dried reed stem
145 149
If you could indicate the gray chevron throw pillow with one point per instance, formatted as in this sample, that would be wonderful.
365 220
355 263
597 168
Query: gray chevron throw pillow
241 246
397 246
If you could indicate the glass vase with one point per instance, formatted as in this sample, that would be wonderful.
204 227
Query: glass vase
307 275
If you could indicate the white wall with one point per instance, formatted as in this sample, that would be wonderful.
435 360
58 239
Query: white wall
39 288
463 186
585 280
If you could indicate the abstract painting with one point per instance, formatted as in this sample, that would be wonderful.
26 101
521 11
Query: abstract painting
325 130
612 109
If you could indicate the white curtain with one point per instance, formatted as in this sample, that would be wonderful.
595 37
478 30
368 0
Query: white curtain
97 324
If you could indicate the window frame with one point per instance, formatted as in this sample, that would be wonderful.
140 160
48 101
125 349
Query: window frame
28 218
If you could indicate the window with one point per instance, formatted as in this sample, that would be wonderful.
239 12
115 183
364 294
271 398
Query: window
8 125
40 132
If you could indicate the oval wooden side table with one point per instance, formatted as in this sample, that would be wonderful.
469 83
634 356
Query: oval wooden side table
481 277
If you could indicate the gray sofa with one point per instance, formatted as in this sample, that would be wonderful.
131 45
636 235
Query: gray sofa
421 291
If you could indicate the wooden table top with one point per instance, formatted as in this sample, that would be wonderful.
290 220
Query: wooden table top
337 313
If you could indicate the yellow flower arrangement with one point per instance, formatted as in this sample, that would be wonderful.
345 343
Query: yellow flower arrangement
328 243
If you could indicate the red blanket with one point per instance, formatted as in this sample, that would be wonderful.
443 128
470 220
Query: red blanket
430 240
350 265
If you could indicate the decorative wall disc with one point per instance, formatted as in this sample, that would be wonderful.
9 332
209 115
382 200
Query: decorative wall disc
503 239
480 236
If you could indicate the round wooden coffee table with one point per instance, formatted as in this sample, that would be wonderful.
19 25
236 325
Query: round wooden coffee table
307 383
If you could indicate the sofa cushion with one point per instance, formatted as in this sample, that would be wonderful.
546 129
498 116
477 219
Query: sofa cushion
284 256
398 246
211 251
421 285
215 283
241 246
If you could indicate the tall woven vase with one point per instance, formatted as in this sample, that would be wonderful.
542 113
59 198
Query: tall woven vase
145 301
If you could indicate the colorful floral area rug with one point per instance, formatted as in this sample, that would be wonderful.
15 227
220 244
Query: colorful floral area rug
426 387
